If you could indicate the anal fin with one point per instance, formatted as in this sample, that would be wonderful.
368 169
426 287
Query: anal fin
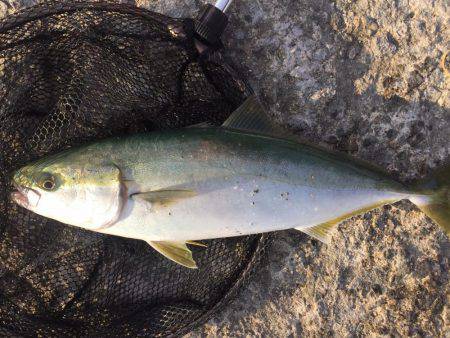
320 232
175 251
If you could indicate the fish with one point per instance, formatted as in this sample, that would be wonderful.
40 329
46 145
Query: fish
176 188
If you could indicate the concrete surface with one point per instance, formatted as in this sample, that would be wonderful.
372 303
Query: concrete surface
370 78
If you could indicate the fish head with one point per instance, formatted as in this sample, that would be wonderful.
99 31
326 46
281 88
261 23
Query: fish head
37 187
71 190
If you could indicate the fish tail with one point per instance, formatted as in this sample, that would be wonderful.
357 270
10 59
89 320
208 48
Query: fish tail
434 197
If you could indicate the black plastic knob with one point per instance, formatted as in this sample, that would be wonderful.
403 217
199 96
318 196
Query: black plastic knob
210 25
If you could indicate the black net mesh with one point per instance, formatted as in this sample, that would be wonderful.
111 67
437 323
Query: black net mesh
75 72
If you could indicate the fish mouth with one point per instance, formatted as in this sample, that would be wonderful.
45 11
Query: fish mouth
25 197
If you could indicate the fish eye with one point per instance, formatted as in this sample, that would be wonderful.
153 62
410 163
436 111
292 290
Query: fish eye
48 185
48 182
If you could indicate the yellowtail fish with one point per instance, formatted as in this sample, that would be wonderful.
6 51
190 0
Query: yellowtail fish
178 187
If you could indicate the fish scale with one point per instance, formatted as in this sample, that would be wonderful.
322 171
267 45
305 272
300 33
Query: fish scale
295 187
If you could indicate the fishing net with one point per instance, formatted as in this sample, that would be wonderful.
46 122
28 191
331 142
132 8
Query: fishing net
75 72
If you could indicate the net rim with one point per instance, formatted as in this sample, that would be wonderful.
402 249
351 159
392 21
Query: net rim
46 9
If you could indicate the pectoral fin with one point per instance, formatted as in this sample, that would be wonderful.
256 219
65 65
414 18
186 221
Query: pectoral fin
165 197
175 251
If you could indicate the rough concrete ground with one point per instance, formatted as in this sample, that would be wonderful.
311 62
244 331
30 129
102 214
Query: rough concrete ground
370 78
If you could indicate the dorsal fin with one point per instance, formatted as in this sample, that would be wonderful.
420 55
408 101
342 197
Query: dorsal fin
251 116
201 125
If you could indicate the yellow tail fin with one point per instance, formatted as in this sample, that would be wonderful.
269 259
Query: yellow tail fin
437 205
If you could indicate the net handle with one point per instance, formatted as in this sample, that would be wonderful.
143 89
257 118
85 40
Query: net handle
223 5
